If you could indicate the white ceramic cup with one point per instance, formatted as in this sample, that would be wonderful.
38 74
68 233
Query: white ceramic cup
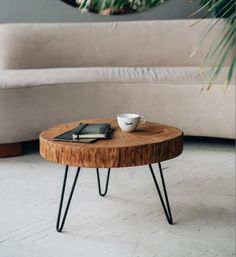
128 122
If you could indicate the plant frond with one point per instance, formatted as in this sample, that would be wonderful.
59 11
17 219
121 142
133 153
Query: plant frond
224 44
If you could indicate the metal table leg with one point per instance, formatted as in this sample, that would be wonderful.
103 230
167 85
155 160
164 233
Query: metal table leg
166 206
107 182
60 226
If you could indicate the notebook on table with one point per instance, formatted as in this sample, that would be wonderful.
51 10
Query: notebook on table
95 130
86 133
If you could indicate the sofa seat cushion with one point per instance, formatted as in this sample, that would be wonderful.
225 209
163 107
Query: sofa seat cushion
159 75
33 100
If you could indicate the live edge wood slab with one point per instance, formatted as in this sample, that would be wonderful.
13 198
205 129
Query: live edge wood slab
150 143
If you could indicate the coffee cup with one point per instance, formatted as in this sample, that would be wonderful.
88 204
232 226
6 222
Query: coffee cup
128 122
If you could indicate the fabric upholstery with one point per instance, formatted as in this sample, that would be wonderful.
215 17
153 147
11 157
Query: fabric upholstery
56 73
26 111
116 44
163 75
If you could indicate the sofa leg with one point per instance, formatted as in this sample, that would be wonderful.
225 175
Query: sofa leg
10 150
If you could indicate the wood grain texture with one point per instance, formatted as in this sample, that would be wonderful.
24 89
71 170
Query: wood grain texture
150 143
10 150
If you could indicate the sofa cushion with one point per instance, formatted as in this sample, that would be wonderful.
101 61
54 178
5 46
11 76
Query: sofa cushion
107 44
160 75
42 100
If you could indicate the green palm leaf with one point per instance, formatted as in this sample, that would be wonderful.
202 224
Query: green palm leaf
224 45
98 6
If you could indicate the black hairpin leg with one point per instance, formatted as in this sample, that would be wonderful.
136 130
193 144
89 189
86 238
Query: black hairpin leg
107 182
166 206
60 226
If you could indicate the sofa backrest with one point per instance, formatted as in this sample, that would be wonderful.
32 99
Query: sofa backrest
141 43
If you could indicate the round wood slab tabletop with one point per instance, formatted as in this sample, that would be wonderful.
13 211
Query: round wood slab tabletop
149 143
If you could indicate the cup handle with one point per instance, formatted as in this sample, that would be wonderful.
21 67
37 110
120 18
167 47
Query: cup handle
142 119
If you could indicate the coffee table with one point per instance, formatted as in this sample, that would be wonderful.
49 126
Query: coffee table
150 143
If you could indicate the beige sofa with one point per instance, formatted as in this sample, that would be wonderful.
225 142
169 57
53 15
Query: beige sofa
55 73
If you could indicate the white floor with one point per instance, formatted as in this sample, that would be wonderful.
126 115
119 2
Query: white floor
129 222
